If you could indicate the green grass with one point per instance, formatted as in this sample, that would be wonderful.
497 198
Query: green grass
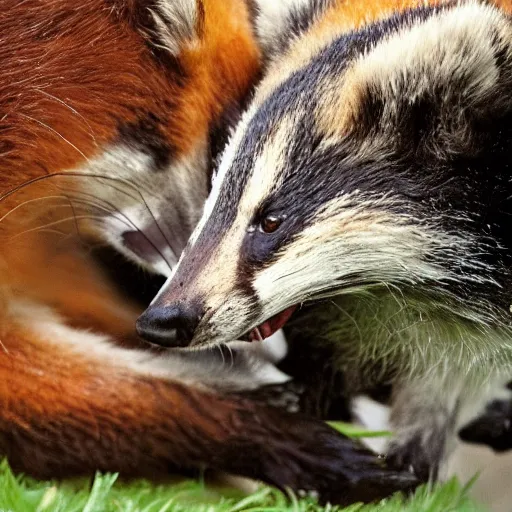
355 431
107 494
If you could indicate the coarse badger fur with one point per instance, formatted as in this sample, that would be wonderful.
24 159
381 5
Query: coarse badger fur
370 176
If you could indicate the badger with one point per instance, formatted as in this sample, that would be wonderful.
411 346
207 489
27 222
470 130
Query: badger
366 195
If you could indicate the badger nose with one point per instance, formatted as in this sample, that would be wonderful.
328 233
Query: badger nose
169 326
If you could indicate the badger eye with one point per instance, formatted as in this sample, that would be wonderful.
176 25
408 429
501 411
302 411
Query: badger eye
270 224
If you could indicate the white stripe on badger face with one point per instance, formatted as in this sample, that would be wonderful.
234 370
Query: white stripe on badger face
223 262
220 176
267 170
266 166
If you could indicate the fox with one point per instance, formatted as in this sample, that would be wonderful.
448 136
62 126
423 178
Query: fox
111 114
362 204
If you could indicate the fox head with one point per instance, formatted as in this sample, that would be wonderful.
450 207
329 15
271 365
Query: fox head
111 113
374 157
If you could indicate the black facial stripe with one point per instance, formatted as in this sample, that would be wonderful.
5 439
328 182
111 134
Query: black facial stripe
145 135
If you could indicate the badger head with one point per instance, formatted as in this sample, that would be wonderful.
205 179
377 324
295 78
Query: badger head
377 157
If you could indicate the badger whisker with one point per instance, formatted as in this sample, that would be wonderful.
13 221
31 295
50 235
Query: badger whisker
109 180
56 223
27 202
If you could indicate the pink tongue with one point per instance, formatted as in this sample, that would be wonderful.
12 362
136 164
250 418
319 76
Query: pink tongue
266 329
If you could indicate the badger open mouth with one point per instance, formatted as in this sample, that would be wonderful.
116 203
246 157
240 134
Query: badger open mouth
270 326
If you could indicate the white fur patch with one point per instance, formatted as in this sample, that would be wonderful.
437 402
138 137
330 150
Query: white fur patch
344 240
271 22
374 417
250 369
176 22
124 193
266 174
275 347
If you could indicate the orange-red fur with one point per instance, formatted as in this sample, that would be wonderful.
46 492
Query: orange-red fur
66 92
70 72
65 414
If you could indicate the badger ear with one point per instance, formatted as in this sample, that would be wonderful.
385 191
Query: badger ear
439 93
167 25
280 21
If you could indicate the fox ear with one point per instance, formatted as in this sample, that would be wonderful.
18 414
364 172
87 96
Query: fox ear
167 25
279 21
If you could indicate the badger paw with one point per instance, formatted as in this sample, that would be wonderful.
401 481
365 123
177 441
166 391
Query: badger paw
314 458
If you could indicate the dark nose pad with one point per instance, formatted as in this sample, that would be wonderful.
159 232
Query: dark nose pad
169 326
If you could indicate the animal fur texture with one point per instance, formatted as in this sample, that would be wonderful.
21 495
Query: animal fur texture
110 114
370 176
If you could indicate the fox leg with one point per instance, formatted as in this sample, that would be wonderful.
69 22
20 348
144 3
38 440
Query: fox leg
70 403
423 427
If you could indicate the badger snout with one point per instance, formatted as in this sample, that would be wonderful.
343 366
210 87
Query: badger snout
205 302
172 325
